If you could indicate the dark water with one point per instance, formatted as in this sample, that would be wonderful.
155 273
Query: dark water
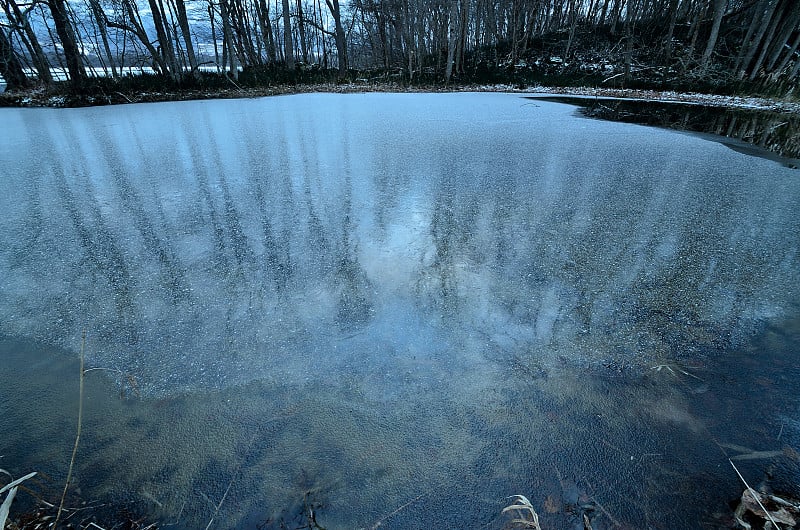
773 135
395 309
631 451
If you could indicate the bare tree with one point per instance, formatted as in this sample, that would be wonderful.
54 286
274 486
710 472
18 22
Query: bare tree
19 19
443 38
102 27
10 65
130 21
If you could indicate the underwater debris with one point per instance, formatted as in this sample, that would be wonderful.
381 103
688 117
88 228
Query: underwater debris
764 510
761 510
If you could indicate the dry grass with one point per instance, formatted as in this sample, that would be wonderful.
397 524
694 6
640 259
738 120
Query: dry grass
77 435
11 488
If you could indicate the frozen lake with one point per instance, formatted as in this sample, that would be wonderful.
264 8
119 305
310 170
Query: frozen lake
395 309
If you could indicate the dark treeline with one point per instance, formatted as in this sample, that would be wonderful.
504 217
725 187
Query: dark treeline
667 42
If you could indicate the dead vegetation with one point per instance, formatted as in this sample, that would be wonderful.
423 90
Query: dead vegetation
758 510
11 488
523 516
761 510
51 516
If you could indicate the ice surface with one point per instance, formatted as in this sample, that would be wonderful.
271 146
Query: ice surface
402 239
384 306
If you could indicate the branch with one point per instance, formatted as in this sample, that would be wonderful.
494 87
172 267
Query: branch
352 25
315 25
139 32
120 25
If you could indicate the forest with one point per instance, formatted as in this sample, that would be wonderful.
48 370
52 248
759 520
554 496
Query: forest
707 45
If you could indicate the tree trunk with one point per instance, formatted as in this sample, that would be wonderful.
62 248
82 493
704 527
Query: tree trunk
515 29
758 12
628 43
266 30
616 14
301 27
211 17
10 67
183 22
228 44
408 38
573 25
462 36
752 46
719 10
603 13
288 46
628 52
243 33
780 43
787 57
694 30
66 34
164 40
384 40
100 20
673 20
339 36
451 41
767 39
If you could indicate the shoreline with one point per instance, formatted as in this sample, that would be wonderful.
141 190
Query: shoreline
52 98
769 124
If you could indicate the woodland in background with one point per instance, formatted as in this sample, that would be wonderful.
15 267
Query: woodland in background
721 46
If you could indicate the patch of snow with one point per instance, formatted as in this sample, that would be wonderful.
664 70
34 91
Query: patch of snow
668 96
